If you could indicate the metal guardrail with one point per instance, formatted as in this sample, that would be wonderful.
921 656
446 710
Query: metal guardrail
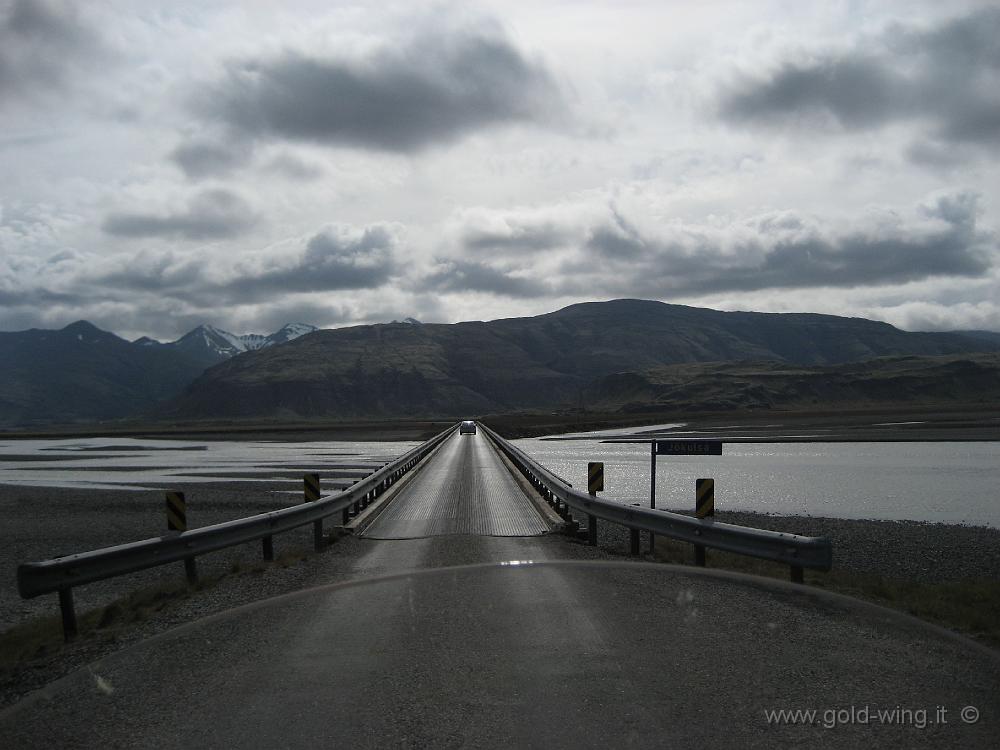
62 574
796 551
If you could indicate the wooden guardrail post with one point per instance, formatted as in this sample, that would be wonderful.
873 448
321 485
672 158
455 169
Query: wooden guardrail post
652 490
68 614
176 512
704 507
312 494
595 484
177 521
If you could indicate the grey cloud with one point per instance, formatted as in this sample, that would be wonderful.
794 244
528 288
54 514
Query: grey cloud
168 291
42 45
331 261
433 90
293 168
11 298
945 77
958 209
617 239
518 239
204 158
939 156
156 272
787 253
473 276
855 93
211 214
975 122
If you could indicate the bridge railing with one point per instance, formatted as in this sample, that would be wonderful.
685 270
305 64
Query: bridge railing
796 551
62 574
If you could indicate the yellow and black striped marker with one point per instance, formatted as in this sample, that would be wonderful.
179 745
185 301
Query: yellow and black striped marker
312 487
595 477
176 512
704 498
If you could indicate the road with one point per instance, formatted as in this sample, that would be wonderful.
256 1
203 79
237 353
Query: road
523 648
466 490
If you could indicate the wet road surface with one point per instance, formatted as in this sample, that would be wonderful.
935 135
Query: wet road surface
466 489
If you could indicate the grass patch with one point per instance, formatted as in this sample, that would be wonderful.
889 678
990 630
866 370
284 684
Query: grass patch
971 607
42 637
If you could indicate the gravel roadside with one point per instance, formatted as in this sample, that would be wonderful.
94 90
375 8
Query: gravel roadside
40 523
898 550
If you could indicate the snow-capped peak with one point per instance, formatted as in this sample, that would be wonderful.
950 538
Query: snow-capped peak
223 344
288 332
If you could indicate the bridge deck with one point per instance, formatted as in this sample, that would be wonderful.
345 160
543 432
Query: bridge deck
464 489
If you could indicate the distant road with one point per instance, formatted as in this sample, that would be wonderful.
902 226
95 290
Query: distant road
526 650
466 490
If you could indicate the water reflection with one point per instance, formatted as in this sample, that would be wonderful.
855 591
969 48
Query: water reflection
132 464
955 482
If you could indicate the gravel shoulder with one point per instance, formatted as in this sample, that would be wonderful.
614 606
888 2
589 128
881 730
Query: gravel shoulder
898 550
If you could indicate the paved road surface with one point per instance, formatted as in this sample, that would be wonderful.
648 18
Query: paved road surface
547 653
466 490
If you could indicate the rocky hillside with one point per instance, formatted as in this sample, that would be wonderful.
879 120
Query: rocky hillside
720 386
540 362
81 373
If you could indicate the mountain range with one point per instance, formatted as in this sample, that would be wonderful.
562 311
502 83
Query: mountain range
211 345
622 355
81 373
543 362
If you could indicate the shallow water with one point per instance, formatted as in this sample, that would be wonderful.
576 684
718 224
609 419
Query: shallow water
955 482
131 464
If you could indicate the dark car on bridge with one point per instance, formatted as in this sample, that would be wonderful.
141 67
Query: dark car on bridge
467 427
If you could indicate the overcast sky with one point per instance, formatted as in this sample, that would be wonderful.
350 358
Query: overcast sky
249 164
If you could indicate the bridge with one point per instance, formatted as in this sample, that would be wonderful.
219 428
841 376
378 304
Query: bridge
462 620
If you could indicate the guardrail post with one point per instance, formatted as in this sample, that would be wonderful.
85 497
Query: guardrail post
797 576
312 494
176 512
634 542
595 484
68 614
704 507
177 521
652 490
